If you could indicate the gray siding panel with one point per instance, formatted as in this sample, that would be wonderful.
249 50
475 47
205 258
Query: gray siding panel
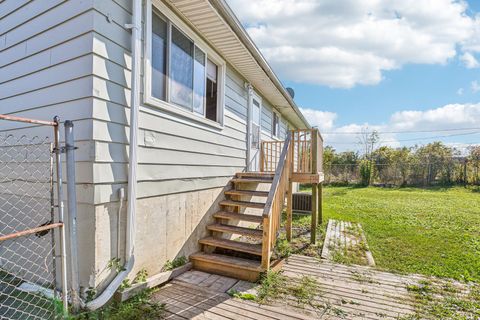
266 117
46 67
174 148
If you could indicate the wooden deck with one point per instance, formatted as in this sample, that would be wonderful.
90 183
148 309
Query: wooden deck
348 240
343 292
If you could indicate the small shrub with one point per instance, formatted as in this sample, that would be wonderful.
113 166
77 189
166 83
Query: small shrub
365 172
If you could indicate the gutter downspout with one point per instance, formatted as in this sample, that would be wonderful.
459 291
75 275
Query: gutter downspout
107 294
249 88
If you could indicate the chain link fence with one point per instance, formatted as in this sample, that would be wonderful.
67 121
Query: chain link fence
455 172
31 229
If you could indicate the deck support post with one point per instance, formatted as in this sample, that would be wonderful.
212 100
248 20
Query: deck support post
313 229
320 204
288 226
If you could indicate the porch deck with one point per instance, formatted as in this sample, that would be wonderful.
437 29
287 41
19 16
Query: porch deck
344 292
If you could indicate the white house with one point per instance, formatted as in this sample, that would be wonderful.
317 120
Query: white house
206 98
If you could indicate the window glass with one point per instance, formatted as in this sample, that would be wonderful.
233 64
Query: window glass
212 91
159 49
199 82
276 125
181 70
256 112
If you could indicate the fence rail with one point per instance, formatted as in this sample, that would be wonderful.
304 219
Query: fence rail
32 231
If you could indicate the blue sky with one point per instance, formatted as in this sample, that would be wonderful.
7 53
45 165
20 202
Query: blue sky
389 65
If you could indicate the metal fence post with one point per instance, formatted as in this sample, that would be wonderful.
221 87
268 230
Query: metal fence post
72 212
58 160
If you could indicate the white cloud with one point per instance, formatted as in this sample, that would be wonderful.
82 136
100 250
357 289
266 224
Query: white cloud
460 91
469 60
351 42
475 86
449 116
324 120
452 116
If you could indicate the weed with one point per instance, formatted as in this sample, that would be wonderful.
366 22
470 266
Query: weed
125 285
283 248
437 300
114 264
241 295
141 276
175 263
305 291
271 286
137 308
91 292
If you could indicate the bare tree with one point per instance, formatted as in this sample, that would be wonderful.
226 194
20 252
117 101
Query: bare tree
368 140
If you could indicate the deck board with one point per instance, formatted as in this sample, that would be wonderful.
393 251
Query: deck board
346 239
345 291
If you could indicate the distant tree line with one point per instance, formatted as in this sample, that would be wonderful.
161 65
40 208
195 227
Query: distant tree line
427 165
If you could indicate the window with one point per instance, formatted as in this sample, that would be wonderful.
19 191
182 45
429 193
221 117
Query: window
184 73
159 57
276 125
256 118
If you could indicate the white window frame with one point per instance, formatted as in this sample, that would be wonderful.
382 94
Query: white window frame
149 99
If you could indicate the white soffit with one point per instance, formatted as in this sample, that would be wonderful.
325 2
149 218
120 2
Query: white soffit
213 28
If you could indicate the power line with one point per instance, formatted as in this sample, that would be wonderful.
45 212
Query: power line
415 139
404 131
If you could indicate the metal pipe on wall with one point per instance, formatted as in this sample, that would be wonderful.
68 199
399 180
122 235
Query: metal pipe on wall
72 212
136 27
63 253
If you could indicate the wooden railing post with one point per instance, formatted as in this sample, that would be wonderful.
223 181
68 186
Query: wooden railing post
262 157
320 203
314 151
288 225
313 227
266 244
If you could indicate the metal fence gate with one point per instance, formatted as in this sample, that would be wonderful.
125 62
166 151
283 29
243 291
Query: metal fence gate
33 283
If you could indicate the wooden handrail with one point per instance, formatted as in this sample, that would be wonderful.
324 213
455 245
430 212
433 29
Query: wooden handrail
275 202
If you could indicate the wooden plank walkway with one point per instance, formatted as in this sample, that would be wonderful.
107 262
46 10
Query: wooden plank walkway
342 292
346 241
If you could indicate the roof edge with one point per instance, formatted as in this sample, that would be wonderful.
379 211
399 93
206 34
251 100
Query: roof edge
226 12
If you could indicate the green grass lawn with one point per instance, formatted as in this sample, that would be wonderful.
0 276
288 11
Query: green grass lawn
432 232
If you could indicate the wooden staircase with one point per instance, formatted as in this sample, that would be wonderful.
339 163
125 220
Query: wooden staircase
244 235
239 258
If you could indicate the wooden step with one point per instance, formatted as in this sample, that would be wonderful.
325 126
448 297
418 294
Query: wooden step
251 180
243 269
256 175
246 193
218 227
255 249
238 216
243 204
